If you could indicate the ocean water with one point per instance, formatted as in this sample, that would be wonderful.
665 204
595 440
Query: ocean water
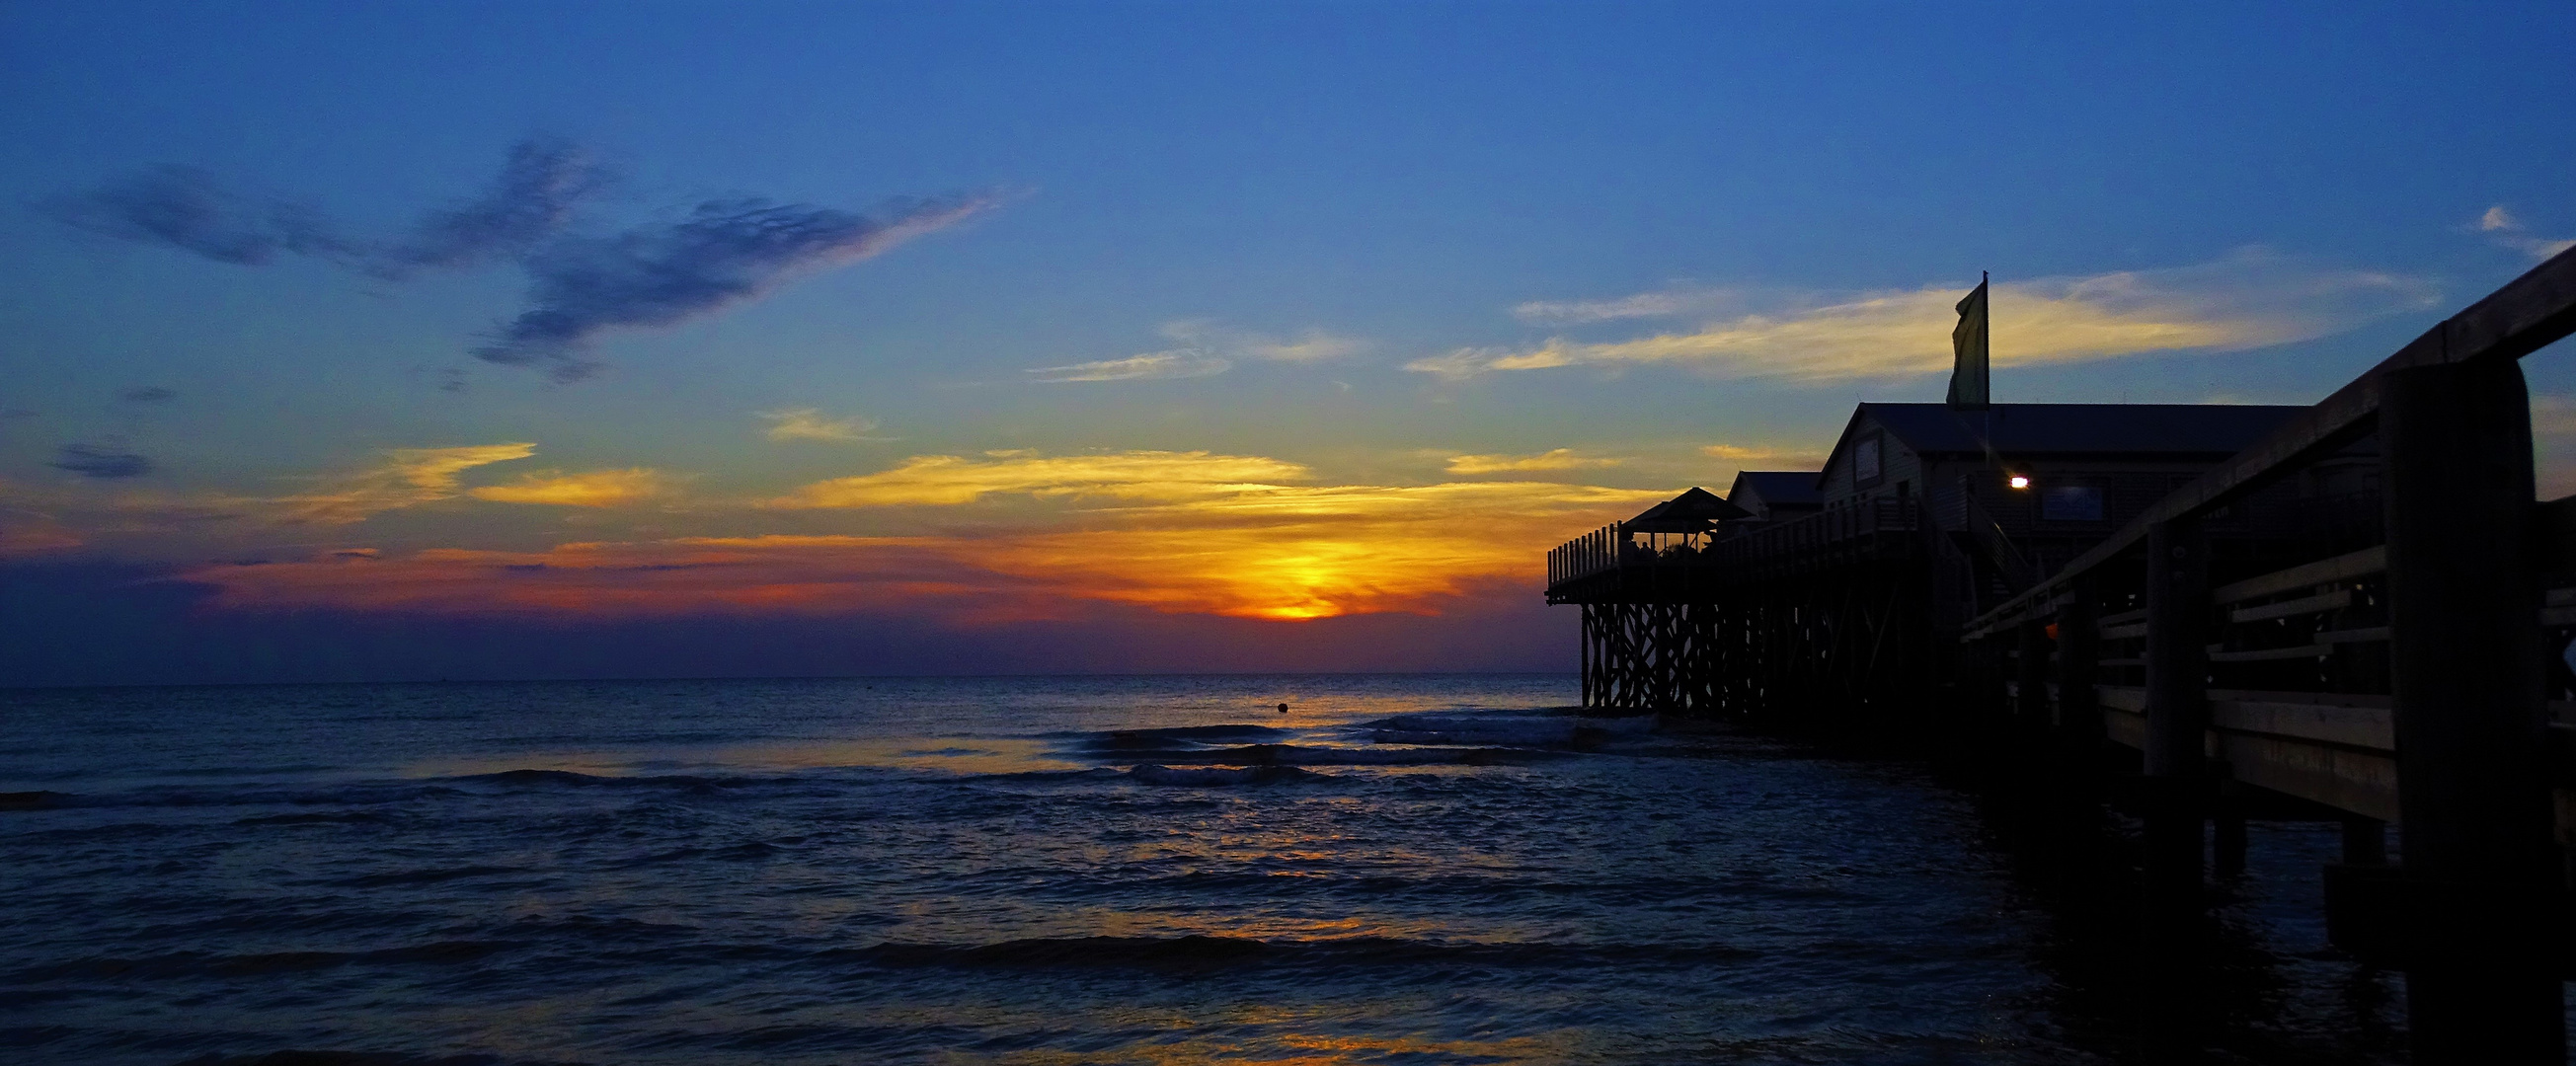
1416 870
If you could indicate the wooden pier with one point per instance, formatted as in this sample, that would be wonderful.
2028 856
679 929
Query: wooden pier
2361 608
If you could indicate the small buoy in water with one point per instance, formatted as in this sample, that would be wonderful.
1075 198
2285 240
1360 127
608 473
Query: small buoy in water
1283 708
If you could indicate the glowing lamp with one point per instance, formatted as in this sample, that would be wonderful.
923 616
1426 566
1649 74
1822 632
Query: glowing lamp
2019 481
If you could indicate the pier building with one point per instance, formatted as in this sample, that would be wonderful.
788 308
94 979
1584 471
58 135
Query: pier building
2357 611
1851 583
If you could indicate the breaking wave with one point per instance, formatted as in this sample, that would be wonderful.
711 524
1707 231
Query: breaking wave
1217 776
1517 730
1203 952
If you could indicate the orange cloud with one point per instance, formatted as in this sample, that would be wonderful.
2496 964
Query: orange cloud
1779 458
810 423
935 480
597 488
407 477
2247 300
1257 551
1552 459
31 540
762 575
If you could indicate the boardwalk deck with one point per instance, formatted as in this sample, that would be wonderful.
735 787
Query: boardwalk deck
2403 662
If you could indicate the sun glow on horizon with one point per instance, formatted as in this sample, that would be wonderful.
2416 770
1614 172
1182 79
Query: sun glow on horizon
1181 533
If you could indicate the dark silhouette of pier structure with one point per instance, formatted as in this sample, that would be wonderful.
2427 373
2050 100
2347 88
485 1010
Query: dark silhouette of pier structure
2358 610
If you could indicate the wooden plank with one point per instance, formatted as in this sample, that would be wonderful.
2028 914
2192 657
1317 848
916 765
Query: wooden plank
2329 748
2345 567
2078 666
2364 783
2124 728
2270 655
2331 601
2122 618
2362 635
2132 631
2031 701
2287 715
2178 607
2525 315
2366 700
2129 698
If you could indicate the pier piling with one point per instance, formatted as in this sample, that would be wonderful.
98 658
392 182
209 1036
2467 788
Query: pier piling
2346 611
2466 691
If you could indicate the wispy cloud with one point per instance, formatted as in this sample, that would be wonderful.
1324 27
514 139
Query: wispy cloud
1552 459
1173 364
532 200
146 394
403 477
1207 348
2249 300
34 540
810 423
596 488
1666 303
1793 458
2503 228
27 531
188 209
107 461
1311 346
943 480
1734 451
723 254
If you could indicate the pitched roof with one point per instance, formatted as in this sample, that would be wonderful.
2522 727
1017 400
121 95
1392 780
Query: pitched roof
2030 428
1778 487
1690 512
2210 430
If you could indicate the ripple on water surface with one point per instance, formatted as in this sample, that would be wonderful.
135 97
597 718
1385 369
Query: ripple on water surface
1417 870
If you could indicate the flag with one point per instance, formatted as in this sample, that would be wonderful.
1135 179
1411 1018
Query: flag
1968 345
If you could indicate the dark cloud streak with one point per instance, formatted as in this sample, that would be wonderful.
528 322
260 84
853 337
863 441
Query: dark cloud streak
147 394
724 253
532 200
107 461
187 209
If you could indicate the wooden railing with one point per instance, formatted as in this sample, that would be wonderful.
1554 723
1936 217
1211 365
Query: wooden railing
1820 531
1610 549
1592 553
2526 315
2410 681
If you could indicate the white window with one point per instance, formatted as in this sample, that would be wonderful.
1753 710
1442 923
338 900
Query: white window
1865 459
2071 503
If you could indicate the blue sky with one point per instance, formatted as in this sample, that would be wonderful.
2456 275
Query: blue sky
1589 250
